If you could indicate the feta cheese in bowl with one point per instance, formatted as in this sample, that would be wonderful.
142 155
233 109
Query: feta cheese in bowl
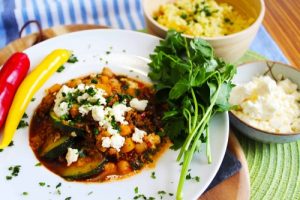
267 101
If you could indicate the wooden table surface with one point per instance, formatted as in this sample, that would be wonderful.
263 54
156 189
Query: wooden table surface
282 20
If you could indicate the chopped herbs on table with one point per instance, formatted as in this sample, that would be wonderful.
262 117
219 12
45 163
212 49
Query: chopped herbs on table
38 164
195 85
72 59
33 99
1 150
42 184
161 194
136 190
24 193
153 176
24 116
14 170
22 124
68 198
60 69
58 185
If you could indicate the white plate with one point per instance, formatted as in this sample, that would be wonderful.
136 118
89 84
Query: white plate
129 53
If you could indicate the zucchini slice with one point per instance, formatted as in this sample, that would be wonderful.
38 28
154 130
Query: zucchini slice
75 172
64 126
52 150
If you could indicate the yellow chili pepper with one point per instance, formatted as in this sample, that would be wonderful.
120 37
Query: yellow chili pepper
28 88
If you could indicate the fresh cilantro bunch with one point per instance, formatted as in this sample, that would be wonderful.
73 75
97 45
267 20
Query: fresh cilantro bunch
195 85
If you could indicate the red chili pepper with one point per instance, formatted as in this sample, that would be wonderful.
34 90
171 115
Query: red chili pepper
12 74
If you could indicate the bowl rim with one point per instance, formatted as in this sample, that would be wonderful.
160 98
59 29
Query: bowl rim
257 21
255 128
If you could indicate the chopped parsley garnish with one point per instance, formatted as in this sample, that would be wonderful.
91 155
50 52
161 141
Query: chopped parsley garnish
183 15
122 97
95 81
153 175
68 198
33 99
72 59
1 150
107 52
60 69
115 125
25 193
171 194
136 190
96 131
91 91
38 164
24 116
14 171
42 184
22 124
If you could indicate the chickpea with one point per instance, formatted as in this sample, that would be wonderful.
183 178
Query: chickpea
125 130
107 72
124 167
140 147
128 145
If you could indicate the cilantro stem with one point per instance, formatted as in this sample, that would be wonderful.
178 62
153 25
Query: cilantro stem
208 152
196 109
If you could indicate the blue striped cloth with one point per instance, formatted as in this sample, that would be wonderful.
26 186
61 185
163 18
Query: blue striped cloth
123 14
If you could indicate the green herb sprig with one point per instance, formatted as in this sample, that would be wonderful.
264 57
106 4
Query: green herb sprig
195 85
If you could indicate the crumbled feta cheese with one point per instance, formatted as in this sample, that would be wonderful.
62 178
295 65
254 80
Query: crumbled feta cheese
139 105
118 111
106 142
71 156
268 105
111 130
98 113
99 96
82 97
61 109
138 135
81 87
84 109
73 134
117 141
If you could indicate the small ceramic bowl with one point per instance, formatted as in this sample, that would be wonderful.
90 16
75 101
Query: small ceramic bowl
230 47
245 73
